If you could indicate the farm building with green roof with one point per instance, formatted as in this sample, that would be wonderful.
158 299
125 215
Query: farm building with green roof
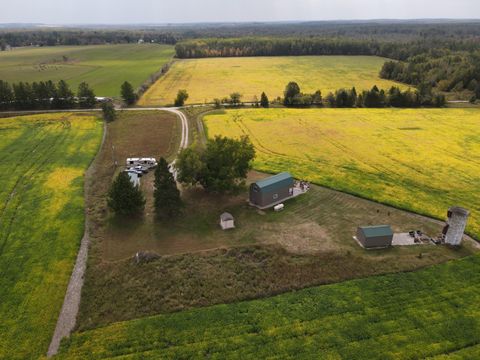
272 191
375 236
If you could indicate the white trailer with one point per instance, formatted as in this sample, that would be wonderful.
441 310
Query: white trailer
144 162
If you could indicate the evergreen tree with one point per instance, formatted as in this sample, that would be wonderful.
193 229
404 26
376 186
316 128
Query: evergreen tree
108 111
6 95
167 201
264 100
124 198
128 94
24 96
64 97
86 96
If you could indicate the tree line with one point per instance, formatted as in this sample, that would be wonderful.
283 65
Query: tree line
44 95
16 38
47 95
376 98
444 70
297 46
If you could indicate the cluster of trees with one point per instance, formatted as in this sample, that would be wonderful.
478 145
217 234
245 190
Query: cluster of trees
295 98
44 95
16 38
221 167
126 199
374 98
394 97
444 70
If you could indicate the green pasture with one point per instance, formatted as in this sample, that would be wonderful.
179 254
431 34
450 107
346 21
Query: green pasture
104 67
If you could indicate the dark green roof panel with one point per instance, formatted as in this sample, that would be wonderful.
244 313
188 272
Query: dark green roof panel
375 231
283 178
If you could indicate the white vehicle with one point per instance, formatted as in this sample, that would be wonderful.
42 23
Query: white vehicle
144 162
134 171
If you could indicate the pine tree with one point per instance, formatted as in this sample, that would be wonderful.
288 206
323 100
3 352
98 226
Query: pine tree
124 198
108 111
264 100
86 96
128 94
167 201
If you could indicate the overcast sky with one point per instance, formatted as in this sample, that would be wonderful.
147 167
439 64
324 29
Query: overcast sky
171 11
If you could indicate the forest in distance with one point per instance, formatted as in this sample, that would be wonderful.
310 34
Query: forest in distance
443 54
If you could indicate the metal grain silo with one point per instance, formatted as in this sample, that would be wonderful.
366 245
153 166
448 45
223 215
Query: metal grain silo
456 222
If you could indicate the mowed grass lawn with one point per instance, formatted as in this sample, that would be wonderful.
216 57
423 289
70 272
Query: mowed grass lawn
206 79
431 314
104 67
423 160
42 162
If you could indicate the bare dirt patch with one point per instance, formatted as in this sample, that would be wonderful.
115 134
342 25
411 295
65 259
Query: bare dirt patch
306 238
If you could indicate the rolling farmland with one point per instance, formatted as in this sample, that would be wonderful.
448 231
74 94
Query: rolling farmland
206 79
104 67
43 159
422 160
429 314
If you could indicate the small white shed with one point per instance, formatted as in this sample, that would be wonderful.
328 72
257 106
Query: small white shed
227 221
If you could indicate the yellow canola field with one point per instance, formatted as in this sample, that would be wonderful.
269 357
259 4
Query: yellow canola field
423 160
207 79
42 162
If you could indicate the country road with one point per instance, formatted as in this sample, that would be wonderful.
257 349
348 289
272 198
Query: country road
71 303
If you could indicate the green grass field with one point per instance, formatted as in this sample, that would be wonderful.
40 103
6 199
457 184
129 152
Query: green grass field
206 79
42 161
431 314
104 67
423 160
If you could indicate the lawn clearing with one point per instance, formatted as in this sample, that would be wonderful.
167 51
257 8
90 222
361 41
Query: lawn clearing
206 79
42 162
430 313
104 67
424 160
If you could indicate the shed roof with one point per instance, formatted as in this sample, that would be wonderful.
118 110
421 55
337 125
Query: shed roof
375 231
274 180
226 216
